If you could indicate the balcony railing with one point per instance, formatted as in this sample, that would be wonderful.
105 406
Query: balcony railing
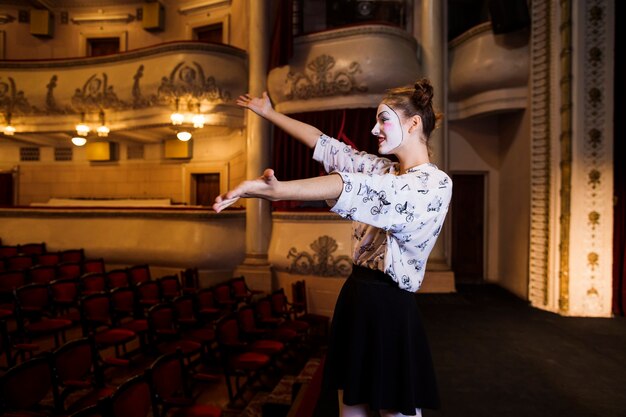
135 90
344 68
488 73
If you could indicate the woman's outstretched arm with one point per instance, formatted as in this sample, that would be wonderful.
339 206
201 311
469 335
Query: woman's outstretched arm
262 106
327 187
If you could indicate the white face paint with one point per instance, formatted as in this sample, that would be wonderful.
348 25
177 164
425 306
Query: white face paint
388 129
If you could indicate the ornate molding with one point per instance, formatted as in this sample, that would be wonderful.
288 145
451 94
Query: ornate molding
12 100
469 34
190 82
540 184
185 81
342 33
322 263
97 94
596 155
127 56
319 80
566 151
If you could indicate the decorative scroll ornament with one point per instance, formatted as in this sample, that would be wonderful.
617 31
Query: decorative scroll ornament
190 84
139 101
95 95
321 81
323 263
13 100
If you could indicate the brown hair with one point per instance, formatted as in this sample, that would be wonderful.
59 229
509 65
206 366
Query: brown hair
415 100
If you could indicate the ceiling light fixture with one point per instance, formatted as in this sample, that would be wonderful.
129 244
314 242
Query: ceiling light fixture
176 117
183 135
103 130
79 140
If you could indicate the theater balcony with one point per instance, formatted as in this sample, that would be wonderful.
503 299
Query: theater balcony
488 73
343 68
132 93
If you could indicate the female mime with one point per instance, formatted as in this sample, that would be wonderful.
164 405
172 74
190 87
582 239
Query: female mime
378 356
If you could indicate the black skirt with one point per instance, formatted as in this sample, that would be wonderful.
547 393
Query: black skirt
378 352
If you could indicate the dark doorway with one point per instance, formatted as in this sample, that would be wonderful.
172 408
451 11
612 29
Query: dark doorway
211 33
103 46
468 225
6 189
207 187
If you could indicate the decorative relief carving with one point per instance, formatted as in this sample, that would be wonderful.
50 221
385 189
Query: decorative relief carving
138 100
189 82
96 94
322 263
594 219
13 100
595 156
319 80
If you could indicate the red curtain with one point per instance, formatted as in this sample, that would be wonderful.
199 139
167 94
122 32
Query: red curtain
281 46
619 172
293 160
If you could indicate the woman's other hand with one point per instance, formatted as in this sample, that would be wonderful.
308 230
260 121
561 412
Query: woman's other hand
263 187
260 105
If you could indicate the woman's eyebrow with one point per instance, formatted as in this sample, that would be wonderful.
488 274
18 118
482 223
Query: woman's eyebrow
384 112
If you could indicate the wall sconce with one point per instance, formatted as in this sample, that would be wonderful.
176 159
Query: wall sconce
9 130
183 135
198 121
79 140
82 129
198 118
176 117
103 130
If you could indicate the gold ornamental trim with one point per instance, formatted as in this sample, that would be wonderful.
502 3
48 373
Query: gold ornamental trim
566 151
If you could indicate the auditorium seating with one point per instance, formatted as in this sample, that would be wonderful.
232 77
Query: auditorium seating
170 382
77 367
25 386
35 315
225 329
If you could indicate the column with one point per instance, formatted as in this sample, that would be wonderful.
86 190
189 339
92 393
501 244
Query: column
256 267
434 46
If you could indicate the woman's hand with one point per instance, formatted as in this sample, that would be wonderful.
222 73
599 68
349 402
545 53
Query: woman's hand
263 187
260 105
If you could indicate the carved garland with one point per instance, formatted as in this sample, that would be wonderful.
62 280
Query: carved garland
320 81
566 151
322 263
594 144
188 82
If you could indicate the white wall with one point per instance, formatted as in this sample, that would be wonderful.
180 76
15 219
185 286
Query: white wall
67 38
474 145
514 202
498 146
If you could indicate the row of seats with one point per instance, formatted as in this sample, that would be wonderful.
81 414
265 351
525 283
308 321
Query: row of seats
245 331
249 339
75 367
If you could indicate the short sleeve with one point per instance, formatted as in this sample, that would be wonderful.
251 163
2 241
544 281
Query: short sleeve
341 157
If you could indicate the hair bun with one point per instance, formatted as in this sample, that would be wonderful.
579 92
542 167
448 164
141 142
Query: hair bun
423 94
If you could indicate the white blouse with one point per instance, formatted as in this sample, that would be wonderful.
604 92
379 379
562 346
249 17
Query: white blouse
397 217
